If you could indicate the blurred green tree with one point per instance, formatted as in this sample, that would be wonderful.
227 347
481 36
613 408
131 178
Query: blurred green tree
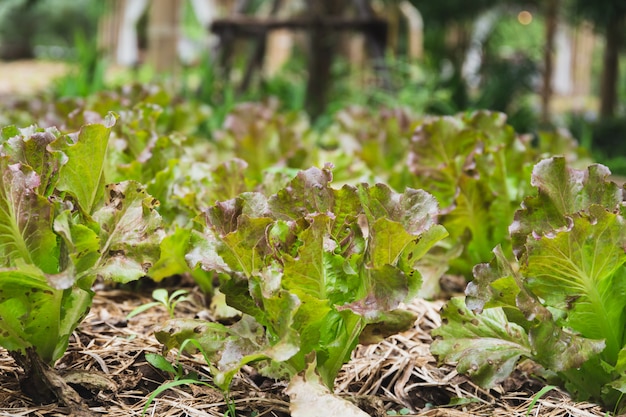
609 18
17 29
448 25
30 28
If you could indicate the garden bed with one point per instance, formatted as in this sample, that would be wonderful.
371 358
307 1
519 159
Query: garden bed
319 238
398 376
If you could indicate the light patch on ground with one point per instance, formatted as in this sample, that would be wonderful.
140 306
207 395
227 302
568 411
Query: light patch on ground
28 76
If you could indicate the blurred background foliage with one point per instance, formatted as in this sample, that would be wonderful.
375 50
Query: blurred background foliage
46 29
509 77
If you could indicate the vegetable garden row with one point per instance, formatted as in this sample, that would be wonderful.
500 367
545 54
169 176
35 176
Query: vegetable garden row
318 238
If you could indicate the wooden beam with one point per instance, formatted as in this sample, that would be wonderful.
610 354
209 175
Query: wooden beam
249 26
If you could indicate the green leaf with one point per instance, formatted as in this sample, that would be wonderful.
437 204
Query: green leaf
82 175
415 210
243 250
559 349
25 219
34 315
388 241
426 242
307 193
439 154
581 271
161 295
471 220
307 272
211 336
486 346
386 288
308 320
223 217
230 180
159 362
173 249
29 313
619 384
339 335
237 292
31 147
229 348
561 191
130 233
537 396
387 324
346 209
81 242
280 310
144 307
75 305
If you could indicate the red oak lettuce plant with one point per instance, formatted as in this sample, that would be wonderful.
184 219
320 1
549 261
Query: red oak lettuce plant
314 269
562 303
61 228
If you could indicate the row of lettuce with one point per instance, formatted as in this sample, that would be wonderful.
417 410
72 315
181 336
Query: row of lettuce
316 237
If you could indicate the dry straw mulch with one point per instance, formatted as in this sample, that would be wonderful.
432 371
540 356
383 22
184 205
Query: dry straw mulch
397 376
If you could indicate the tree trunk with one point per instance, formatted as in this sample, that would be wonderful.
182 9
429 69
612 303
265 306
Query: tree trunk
323 45
610 68
552 8
376 42
163 35
255 63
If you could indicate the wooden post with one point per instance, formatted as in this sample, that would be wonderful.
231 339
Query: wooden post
323 45
393 16
584 40
279 44
323 22
109 27
552 9
256 60
416 30
377 43
610 66
355 50
163 35
227 38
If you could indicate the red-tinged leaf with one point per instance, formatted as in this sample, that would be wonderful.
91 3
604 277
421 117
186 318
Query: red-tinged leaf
25 219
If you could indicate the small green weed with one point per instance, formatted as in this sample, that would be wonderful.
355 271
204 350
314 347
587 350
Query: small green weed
179 377
537 396
162 298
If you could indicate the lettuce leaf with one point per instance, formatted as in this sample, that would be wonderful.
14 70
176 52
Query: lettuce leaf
478 169
315 265
82 174
131 231
565 293
26 221
58 234
34 315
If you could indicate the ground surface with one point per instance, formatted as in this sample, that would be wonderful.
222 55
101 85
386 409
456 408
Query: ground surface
28 77
396 376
